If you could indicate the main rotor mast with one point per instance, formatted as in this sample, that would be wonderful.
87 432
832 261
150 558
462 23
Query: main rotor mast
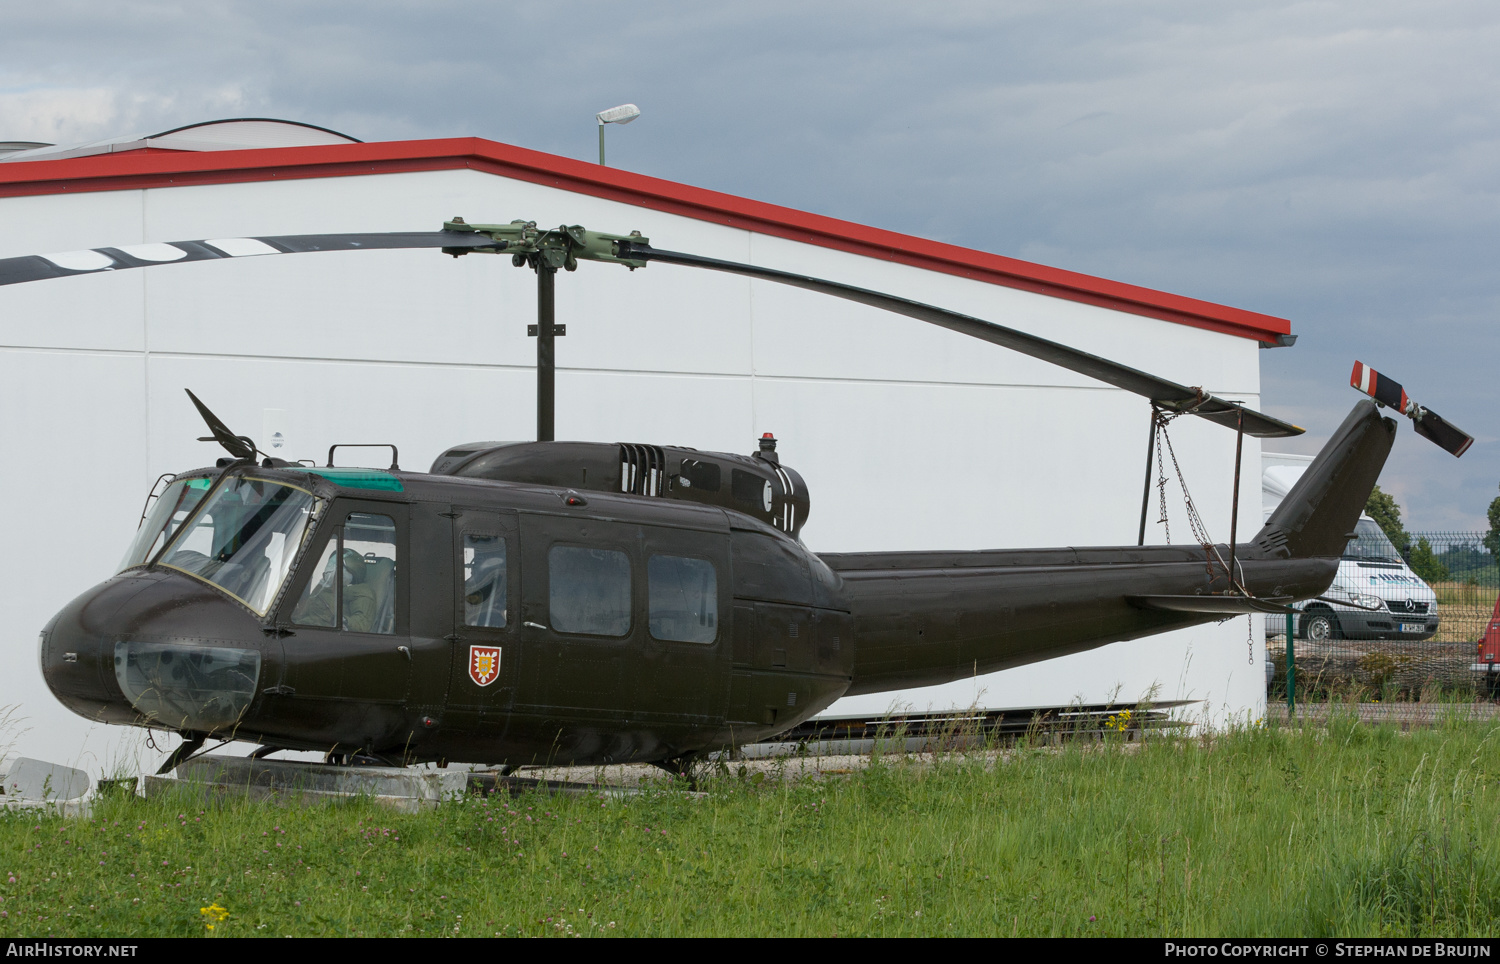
544 251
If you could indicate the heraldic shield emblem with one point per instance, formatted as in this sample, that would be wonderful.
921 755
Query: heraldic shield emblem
484 664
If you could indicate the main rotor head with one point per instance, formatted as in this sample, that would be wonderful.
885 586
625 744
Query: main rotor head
561 247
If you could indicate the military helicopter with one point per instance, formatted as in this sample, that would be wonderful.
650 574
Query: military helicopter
591 603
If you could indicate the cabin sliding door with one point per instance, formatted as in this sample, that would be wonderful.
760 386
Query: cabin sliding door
582 593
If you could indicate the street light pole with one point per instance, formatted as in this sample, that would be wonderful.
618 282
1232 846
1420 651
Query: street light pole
623 114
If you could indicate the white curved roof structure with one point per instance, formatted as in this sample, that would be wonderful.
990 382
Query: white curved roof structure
235 134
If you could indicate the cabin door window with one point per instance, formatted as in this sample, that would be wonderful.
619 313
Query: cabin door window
685 656
589 590
354 586
484 575
684 599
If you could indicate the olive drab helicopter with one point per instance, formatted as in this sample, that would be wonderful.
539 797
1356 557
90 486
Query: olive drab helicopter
587 603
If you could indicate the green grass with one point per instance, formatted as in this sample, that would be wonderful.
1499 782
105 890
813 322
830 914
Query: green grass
1343 830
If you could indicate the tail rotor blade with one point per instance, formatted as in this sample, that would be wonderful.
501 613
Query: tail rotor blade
1385 390
1449 437
1429 424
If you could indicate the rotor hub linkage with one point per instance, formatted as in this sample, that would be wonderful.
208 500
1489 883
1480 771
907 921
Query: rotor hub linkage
545 251
548 248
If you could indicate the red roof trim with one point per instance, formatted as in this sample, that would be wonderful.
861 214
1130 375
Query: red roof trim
137 169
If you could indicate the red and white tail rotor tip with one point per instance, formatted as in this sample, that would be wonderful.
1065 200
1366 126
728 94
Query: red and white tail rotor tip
1429 424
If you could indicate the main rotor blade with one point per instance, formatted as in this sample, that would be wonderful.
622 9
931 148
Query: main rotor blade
1429 424
240 448
66 264
1167 394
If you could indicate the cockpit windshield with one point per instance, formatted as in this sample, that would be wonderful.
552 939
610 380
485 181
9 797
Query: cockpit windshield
245 537
1370 544
169 511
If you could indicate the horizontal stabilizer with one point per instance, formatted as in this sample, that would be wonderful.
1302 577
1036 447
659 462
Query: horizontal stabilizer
1228 605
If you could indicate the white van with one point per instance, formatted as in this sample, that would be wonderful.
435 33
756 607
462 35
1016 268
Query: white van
1375 594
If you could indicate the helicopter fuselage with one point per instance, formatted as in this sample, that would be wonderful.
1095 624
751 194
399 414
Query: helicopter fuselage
787 633
420 617
611 628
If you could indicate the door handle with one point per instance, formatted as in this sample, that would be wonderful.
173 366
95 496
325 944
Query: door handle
531 625
404 651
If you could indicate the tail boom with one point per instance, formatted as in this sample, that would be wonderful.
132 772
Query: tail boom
922 618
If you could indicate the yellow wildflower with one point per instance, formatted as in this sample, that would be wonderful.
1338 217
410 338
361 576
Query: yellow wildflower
214 914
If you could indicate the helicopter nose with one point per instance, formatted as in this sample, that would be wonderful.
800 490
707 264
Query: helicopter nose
136 649
77 652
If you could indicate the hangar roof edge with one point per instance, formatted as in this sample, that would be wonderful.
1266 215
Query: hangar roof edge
133 171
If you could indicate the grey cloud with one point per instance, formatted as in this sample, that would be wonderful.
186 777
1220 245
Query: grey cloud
1331 162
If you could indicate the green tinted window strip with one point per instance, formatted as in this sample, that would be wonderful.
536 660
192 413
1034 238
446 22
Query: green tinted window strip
359 478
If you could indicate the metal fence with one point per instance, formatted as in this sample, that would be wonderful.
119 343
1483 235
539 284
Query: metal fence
1378 652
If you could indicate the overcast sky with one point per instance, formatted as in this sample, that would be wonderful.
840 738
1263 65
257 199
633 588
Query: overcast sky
1334 163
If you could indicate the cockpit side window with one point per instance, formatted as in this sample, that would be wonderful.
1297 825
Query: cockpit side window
370 582
353 586
319 605
167 513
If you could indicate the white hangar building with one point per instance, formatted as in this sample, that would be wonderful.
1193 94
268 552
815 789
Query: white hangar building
909 436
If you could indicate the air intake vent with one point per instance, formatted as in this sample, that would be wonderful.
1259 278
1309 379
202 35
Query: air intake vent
642 469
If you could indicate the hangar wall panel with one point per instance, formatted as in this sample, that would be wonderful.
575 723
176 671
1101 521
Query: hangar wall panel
72 456
910 437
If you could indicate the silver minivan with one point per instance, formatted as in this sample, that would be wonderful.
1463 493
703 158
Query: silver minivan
1374 596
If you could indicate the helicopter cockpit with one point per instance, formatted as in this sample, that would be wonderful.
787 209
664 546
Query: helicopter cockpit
241 536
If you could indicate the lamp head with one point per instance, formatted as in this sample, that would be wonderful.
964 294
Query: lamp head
623 114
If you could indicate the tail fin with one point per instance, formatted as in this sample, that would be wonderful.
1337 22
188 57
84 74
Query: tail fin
1318 515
